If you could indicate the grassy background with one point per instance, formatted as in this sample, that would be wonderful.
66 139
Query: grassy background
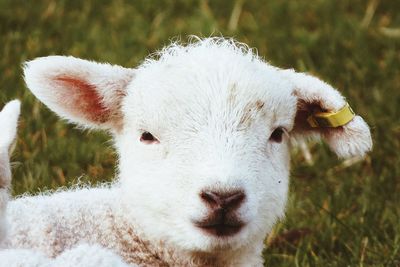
339 214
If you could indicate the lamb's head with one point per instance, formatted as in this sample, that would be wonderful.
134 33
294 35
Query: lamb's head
202 134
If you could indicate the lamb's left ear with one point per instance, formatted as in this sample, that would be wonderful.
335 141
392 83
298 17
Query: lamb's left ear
351 139
81 91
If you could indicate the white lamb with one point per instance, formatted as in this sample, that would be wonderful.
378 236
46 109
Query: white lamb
83 255
202 136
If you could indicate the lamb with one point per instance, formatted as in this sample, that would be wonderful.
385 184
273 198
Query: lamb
82 255
202 132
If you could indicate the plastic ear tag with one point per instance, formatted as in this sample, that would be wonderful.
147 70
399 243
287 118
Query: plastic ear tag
331 119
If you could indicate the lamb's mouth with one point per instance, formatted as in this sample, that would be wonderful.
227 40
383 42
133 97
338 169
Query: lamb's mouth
220 228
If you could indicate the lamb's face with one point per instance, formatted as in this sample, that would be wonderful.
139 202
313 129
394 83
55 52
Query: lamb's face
198 128
201 134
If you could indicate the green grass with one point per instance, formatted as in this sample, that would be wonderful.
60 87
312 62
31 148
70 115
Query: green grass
337 215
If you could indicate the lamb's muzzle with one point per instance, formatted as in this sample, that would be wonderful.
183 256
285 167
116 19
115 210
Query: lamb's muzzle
221 220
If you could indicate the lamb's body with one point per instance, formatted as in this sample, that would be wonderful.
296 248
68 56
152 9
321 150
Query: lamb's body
54 223
59 221
20 254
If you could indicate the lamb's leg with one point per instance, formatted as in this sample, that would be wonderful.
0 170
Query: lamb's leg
23 258
8 130
83 255
89 256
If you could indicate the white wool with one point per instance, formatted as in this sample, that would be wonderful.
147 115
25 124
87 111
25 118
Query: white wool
8 123
213 105
81 256
84 255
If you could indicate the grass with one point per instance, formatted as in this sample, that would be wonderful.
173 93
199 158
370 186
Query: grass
338 215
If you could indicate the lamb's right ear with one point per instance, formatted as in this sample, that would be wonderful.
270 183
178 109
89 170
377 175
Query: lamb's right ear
84 92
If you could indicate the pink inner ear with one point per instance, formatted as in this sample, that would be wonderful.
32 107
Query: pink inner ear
84 98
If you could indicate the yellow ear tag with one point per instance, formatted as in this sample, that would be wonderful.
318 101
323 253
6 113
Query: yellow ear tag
331 119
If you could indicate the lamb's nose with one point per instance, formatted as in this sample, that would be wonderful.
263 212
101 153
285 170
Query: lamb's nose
223 199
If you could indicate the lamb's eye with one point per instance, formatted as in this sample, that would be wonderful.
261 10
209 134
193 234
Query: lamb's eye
148 138
277 135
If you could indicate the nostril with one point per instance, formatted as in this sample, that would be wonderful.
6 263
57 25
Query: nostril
223 199
234 199
210 198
